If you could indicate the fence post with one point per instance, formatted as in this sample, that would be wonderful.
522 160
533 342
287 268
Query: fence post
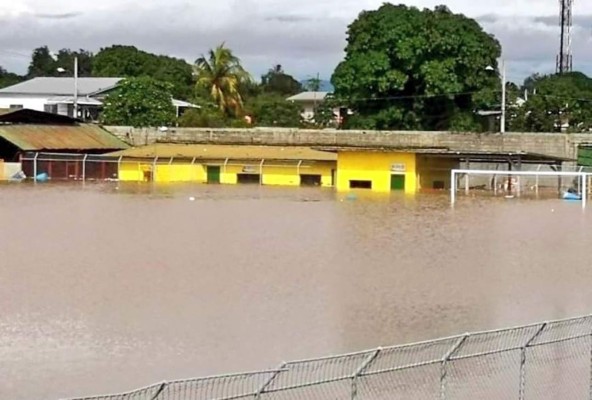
590 390
523 359
445 360
369 360
270 381
159 391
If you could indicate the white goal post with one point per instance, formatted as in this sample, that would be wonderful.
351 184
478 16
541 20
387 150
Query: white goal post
581 175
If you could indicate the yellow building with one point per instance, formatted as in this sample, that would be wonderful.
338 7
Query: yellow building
386 170
227 164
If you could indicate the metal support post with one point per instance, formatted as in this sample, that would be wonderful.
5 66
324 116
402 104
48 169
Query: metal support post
452 187
523 360
468 166
360 370
161 389
35 167
266 384
584 192
84 168
261 172
590 389
445 359
495 185
154 169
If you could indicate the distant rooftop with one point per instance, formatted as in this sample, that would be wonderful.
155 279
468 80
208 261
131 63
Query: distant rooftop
61 86
308 96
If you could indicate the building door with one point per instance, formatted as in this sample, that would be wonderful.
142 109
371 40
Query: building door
213 174
397 182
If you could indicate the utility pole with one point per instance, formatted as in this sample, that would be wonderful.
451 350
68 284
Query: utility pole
75 87
564 58
503 118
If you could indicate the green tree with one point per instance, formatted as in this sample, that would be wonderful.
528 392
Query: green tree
9 78
42 63
205 117
128 61
222 75
65 60
313 84
324 116
45 63
277 81
140 102
411 69
274 110
556 103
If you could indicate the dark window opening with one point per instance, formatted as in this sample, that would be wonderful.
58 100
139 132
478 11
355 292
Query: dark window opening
438 185
360 184
310 180
248 178
148 176
15 106
51 108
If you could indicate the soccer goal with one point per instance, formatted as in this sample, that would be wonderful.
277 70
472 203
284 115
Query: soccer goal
517 183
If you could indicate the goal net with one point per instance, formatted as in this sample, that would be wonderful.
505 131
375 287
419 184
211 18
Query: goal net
573 185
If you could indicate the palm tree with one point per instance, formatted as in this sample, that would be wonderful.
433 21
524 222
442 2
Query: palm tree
222 75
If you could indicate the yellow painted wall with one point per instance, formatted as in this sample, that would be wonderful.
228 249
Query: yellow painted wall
133 171
431 169
289 175
375 167
2 173
228 173
180 173
286 175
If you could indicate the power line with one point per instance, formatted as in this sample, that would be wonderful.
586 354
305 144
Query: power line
15 53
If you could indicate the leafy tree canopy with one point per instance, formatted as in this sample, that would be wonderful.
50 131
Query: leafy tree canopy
128 61
140 102
556 102
45 63
274 110
221 74
8 78
411 69
277 81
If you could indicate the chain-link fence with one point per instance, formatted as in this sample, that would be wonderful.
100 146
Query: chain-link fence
551 360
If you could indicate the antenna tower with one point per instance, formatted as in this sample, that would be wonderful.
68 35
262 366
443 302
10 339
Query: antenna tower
564 58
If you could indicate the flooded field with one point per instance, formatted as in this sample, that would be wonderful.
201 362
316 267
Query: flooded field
105 288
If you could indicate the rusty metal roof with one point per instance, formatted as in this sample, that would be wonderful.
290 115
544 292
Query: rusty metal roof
28 116
232 152
60 137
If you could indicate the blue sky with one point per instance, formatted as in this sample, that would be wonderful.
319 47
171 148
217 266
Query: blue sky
306 37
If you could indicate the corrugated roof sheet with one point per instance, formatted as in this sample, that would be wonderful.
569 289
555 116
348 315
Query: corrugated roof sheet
28 116
61 86
60 137
221 152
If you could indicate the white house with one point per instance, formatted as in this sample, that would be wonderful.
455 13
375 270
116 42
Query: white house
56 95
309 101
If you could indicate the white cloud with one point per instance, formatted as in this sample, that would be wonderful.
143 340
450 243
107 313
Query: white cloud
306 37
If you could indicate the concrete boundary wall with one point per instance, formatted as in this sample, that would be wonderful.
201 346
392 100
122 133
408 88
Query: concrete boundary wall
552 144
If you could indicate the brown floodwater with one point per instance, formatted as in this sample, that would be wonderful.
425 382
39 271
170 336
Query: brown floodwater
108 287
